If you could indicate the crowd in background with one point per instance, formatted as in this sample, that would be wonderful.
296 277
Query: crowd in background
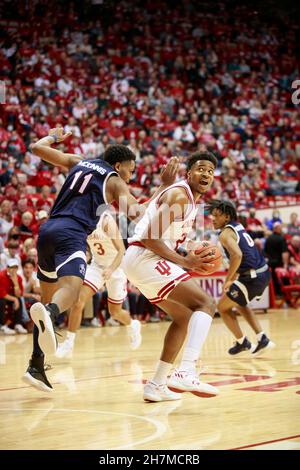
164 81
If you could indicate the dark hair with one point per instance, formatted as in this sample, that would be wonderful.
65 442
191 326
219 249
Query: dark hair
13 244
225 207
196 156
118 153
28 261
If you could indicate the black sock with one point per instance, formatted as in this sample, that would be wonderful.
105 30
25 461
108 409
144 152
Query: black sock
37 352
54 310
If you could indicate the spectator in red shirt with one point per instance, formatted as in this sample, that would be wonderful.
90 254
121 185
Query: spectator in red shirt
11 291
45 201
254 226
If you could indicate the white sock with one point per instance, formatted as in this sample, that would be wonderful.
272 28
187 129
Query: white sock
198 329
241 340
162 371
70 337
260 335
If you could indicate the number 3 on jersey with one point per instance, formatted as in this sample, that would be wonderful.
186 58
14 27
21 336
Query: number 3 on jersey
99 248
85 182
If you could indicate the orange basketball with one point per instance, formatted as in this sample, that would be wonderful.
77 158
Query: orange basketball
214 254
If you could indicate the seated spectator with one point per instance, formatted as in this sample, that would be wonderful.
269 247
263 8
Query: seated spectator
254 226
27 166
11 252
294 251
45 200
11 291
293 227
26 228
275 218
27 245
31 283
6 217
13 234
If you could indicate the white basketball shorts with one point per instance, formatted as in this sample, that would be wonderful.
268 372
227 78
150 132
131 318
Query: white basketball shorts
116 285
154 276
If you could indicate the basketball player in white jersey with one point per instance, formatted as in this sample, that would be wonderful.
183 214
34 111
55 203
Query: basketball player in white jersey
107 249
153 265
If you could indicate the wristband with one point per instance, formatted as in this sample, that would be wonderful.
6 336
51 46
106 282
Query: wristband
55 138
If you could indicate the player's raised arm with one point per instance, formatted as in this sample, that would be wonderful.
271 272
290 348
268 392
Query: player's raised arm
42 148
229 242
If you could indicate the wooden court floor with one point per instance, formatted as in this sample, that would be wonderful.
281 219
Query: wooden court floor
97 399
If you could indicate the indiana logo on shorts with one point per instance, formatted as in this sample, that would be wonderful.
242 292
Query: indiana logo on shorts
82 269
163 268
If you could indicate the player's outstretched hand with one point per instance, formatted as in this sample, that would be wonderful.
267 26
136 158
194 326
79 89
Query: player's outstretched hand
169 171
58 134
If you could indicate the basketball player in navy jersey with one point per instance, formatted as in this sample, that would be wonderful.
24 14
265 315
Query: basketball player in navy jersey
248 276
62 239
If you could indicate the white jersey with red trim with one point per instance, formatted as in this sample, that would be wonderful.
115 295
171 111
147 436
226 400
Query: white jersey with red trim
102 247
176 232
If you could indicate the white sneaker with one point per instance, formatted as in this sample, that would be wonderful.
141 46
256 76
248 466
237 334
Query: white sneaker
20 329
154 392
41 318
112 322
95 322
7 331
134 331
183 381
65 350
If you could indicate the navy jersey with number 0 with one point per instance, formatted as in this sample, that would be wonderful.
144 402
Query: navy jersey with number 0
252 259
83 192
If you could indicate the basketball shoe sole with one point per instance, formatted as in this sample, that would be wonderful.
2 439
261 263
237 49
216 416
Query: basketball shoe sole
42 319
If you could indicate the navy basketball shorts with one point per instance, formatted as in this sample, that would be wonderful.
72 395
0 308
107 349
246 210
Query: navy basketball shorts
245 288
61 249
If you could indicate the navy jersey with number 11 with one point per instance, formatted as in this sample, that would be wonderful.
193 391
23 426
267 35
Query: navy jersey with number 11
83 192
252 258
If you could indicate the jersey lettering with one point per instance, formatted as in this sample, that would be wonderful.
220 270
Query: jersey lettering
86 180
99 248
249 240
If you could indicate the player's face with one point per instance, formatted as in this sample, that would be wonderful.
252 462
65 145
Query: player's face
201 176
125 170
219 219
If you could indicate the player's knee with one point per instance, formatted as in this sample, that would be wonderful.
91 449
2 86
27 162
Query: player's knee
207 305
79 304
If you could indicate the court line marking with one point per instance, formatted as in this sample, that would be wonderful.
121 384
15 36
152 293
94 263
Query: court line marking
121 375
265 442
77 380
160 427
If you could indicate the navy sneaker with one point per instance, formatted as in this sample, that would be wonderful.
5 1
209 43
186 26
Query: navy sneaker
239 348
35 376
263 345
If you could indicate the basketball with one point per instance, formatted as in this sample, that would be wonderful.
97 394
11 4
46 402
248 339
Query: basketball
206 248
